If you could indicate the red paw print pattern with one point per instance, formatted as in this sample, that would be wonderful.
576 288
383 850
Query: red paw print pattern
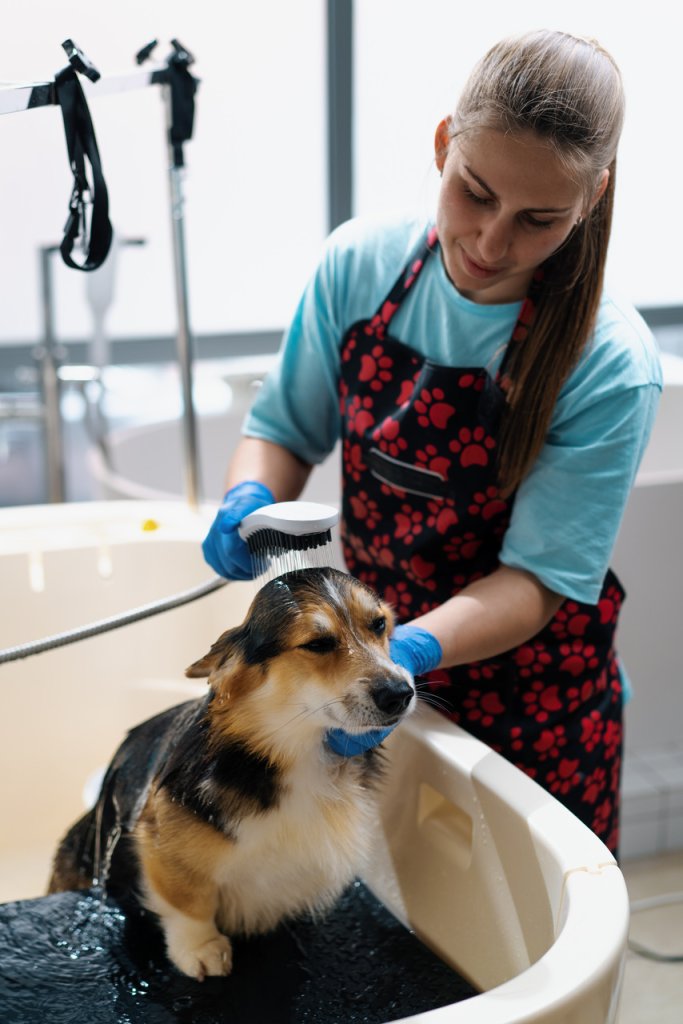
419 571
549 743
429 458
365 509
442 516
409 524
541 701
388 438
471 380
433 409
570 620
592 730
359 416
354 465
349 348
612 738
566 777
532 659
594 786
578 658
602 817
472 447
576 696
483 707
487 504
375 368
381 551
464 547
400 599
610 605
377 327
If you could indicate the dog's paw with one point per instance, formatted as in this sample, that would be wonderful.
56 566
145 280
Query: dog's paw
212 958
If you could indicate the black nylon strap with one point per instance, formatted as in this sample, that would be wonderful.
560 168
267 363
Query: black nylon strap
183 87
81 145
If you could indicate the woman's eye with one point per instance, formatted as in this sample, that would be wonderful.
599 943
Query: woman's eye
482 200
378 626
531 220
321 644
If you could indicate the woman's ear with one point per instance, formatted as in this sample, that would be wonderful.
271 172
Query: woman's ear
601 189
442 139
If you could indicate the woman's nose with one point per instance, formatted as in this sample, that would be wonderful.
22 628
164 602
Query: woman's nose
495 238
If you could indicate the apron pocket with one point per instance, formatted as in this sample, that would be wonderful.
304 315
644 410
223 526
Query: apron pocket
404 477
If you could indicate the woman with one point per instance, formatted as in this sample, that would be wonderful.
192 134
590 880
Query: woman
494 402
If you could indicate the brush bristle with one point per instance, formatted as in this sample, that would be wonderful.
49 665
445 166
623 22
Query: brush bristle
275 543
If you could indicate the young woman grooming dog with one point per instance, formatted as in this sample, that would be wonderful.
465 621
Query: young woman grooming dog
493 400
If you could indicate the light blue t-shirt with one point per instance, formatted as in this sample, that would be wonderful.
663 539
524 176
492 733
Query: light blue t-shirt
567 511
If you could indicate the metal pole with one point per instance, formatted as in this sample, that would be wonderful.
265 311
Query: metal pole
184 338
52 423
339 111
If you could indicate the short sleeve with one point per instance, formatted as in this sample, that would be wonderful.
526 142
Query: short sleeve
567 511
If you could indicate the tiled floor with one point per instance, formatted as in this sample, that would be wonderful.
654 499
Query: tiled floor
653 780
653 992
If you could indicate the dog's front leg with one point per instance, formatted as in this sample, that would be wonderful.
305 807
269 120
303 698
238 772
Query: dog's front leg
178 880
193 944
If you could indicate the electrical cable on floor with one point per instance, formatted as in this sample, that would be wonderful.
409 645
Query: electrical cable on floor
650 903
114 622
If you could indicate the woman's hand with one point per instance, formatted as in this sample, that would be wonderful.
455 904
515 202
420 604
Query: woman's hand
223 548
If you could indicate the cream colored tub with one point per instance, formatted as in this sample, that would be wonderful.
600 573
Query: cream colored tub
493 874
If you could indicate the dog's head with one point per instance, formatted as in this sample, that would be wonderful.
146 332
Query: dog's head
311 655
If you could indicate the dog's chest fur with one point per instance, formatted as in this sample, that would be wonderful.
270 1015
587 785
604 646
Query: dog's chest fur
299 855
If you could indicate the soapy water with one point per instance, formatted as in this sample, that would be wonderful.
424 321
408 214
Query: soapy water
75 957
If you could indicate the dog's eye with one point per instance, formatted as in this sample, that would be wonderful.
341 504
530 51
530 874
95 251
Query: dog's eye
321 644
378 625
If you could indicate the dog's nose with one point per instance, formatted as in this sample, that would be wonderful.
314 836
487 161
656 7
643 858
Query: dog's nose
392 696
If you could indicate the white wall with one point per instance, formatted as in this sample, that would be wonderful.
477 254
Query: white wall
413 59
256 206
256 209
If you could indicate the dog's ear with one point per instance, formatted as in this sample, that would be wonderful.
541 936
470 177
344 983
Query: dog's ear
230 642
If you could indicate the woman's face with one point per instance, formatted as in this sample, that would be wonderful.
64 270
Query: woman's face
506 204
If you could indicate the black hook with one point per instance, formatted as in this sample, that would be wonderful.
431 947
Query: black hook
146 52
181 55
79 61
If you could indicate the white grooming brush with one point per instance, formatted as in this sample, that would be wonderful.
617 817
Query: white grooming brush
288 535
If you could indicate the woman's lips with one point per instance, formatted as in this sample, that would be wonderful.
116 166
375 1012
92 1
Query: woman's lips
476 269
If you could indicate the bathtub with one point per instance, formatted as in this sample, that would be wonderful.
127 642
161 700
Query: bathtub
648 558
490 871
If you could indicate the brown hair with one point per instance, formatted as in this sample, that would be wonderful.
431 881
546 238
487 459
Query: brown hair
569 92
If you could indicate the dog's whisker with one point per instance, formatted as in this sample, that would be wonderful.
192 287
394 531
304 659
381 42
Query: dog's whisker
427 696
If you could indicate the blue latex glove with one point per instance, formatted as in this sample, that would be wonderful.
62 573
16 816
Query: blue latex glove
415 649
410 647
223 548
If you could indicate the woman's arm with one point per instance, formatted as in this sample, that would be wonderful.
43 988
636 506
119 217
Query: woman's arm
490 616
271 464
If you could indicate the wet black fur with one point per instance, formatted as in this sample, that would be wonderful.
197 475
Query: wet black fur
218 783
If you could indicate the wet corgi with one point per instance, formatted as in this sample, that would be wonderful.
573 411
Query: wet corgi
226 814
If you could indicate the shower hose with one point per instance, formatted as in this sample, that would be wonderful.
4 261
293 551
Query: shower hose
114 622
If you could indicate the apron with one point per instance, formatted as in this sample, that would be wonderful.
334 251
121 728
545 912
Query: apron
422 517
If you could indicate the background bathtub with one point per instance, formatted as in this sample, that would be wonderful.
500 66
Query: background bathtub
489 870
648 558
